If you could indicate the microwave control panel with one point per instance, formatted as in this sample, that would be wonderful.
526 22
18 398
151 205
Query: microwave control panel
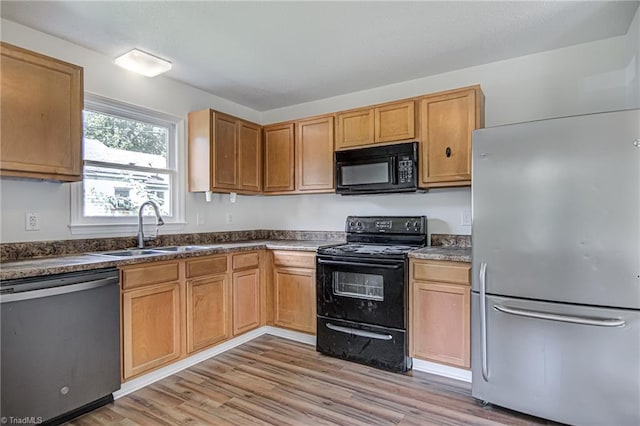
405 169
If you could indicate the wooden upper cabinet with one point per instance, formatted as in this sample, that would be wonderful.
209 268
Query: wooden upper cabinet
355 128
390 122
447 120
279 158
395 122
250 146
41 114
224 153
314 155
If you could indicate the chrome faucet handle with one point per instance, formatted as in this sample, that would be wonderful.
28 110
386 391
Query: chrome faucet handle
159 222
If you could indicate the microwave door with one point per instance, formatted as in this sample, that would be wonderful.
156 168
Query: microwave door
366 175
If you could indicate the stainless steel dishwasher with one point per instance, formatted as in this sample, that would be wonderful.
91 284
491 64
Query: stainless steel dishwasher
60 345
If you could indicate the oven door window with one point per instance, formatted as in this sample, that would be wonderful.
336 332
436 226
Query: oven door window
358 285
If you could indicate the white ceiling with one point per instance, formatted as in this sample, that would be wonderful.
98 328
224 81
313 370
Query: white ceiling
267 55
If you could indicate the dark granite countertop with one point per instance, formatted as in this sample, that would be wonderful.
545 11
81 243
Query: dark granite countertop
21 260
454 254
87 261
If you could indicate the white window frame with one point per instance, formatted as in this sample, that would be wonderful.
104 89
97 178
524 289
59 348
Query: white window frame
128 225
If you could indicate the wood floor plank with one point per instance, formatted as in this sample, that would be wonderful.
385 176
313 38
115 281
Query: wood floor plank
274 381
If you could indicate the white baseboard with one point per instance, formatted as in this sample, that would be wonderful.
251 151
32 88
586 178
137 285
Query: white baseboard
142 381
291 335
442 370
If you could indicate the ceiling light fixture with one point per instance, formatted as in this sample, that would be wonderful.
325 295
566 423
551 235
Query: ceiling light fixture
143 63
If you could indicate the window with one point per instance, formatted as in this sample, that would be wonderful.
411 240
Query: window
130 156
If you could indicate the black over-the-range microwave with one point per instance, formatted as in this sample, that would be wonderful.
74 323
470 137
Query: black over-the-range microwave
377 170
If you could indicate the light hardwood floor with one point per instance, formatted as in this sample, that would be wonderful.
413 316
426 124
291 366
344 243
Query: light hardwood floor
273 381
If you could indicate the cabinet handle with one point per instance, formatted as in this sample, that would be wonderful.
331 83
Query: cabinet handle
483 321
447 152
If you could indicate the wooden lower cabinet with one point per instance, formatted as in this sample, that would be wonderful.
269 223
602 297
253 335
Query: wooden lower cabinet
295 298
151 327
172 309
440 313
207 312
246 300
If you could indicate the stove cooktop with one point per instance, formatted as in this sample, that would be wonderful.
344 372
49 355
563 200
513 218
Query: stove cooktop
351 249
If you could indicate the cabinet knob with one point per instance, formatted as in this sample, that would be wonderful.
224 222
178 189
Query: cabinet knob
447 152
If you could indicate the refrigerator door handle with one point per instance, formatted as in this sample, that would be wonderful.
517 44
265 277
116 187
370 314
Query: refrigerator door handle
600 322
483 320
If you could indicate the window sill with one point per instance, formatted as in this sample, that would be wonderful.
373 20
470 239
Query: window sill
122 229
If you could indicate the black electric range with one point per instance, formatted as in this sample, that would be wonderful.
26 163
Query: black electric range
362 289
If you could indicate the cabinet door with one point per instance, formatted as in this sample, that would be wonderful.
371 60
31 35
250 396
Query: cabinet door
250 147
226 152
150 327
440 323
246 300
395 122
41 113
314 155
207 312
199 141
447 122
355 128
278 158
295 299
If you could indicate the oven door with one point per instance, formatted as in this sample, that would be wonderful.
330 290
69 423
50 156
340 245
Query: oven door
371 291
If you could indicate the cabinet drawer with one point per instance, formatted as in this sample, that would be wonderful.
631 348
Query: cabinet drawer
441 271
206 266
245 260
149 273
294 259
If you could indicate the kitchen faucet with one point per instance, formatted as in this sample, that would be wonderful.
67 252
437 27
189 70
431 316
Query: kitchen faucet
159 222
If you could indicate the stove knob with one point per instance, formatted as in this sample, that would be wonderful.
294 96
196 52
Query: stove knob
407 225
352 224
359 225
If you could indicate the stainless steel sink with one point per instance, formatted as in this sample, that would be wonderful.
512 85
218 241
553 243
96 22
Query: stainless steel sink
181 249
132 252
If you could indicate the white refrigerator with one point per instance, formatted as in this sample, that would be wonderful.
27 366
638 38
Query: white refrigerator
556 268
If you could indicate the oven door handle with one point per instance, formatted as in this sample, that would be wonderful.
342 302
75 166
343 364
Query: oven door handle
360 333
368 265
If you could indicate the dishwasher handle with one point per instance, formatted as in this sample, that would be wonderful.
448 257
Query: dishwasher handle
55 291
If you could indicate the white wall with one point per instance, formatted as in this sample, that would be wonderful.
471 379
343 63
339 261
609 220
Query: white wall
327 212
102 77
591 77
598 76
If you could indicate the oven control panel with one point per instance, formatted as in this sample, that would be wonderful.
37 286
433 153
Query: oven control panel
387 224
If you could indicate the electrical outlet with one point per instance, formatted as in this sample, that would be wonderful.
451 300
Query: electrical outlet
229 218
31 221
199 219
465 218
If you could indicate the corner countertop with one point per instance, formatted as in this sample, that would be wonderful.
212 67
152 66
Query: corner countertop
453 254
87 261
